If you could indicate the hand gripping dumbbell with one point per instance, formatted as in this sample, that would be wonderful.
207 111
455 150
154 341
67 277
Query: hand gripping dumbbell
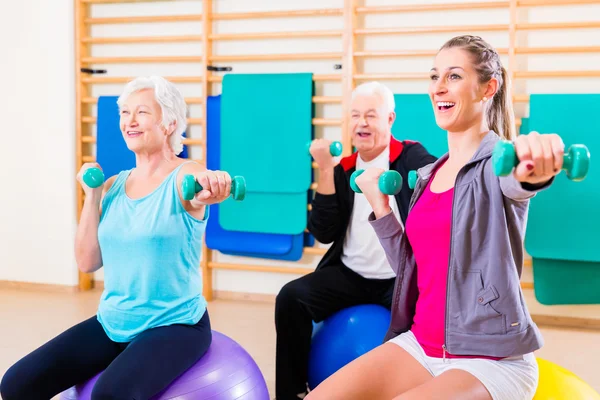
190 186
576 160
335 148
390 182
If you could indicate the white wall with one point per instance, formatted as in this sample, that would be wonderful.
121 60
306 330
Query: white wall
54 263
37 159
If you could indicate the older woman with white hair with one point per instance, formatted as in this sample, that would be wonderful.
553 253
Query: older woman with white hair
152 323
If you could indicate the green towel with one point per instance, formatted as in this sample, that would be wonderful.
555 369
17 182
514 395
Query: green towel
563 231
266 124
415 121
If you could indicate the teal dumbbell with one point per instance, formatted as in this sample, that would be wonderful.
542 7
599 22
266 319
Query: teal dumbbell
93 177
390 182
190 186
412 179
335 148
576 160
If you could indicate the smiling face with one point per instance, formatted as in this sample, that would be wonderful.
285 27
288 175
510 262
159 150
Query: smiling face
370 124
457 94
141 122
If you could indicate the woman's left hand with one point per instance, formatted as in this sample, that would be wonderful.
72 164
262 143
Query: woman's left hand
216 187
540 156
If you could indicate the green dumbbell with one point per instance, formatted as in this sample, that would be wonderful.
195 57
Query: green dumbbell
335 148
412 179
190 186
576 161
390 182
93 177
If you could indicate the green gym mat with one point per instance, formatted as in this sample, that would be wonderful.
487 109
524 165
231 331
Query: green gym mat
566 281
524 128
415 121
563 229
266 125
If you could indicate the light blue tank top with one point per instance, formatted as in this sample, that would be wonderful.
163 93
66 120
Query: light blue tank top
151 254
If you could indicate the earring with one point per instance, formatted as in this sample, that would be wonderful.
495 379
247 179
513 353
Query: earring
484 99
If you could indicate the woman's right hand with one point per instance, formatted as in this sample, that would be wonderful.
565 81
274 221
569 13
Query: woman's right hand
319 150
368 182
94 193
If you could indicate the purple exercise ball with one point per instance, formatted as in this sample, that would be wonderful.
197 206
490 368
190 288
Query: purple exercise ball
225 372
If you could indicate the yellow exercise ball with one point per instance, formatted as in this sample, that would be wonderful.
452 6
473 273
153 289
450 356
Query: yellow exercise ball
558 383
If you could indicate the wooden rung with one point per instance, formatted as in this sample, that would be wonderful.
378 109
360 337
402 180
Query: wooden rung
116 1
521 98
432 7
275 35
274 14
331 77
309 208
558 25
125 79
195 121
139 20
401 75
314 165
188 100
314 186
277 57
431 29
396 53
88 139
315 251
88 159
126 60
557 50
326 122
557 74
518 122
141 39
193 141
544 3
92 120
259 268
326 99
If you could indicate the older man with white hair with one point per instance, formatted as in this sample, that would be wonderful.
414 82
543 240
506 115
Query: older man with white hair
355 269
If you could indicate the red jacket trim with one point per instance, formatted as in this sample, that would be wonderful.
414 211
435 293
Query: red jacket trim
396 148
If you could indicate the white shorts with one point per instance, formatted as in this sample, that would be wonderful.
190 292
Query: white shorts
514 378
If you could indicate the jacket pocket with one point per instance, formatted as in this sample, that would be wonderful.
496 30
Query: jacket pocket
474 310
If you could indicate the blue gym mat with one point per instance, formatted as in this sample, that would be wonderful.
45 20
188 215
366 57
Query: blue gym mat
247 244
415 121
111 151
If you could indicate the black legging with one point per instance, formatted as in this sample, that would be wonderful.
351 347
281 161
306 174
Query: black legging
135 370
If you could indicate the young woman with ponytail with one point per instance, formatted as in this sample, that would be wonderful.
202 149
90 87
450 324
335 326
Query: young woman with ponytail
460 328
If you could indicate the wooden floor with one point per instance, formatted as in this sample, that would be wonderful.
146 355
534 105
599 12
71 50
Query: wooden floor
31 317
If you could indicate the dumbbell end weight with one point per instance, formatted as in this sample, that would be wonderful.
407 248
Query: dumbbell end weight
576 162
412 179
504 158
93 177
238 188
390 182
335 148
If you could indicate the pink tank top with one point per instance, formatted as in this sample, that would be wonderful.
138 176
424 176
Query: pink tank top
428 231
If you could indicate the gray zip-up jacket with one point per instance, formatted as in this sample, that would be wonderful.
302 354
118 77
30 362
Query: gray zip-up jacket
485 309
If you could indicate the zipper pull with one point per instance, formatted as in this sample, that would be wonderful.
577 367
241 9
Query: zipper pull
444 352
